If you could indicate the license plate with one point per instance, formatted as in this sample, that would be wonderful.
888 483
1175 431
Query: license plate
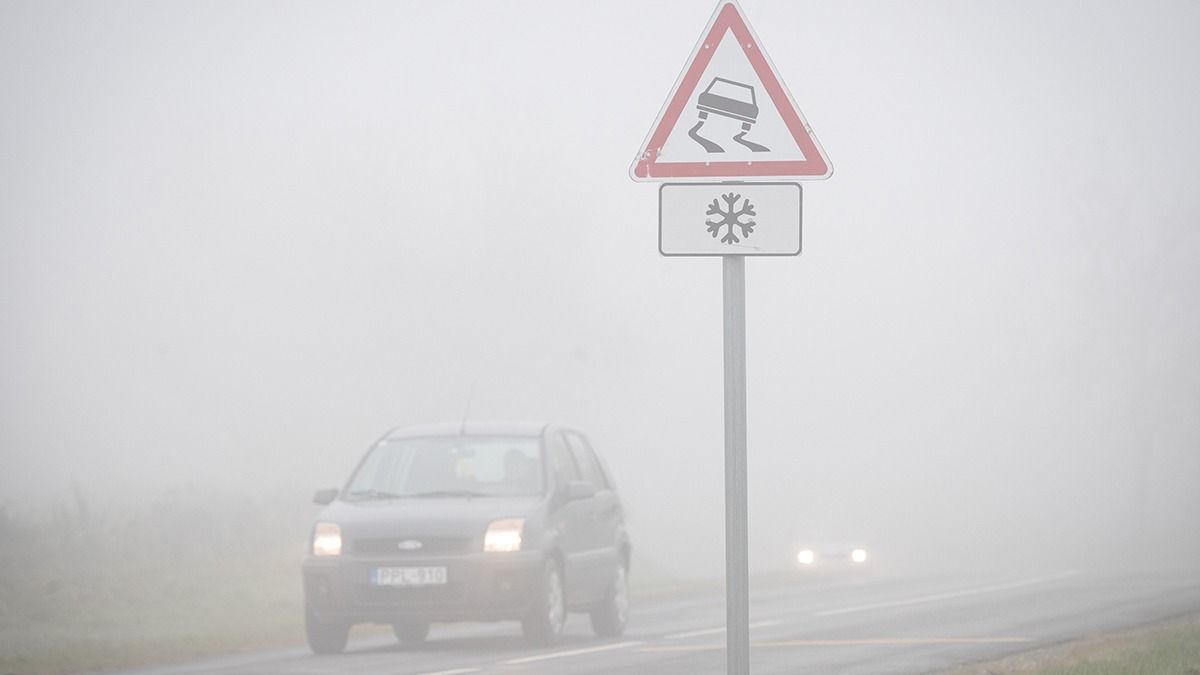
408 576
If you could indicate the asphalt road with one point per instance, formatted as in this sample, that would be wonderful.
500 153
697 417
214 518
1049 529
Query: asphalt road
820 626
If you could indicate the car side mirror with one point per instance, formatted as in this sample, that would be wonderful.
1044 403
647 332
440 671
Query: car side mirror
578 489
324 497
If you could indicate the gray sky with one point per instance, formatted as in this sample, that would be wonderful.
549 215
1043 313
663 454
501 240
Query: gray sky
238 241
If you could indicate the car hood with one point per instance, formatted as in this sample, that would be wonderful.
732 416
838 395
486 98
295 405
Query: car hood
451 516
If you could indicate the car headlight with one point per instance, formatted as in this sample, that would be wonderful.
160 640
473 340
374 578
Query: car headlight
327 539
806 557
859 555
503 536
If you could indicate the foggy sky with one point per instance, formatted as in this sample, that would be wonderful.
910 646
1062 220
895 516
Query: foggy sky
239 241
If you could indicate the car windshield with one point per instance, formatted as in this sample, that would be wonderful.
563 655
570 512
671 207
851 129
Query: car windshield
731 90
454 466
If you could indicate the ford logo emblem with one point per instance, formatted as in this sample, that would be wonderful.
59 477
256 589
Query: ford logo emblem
409 545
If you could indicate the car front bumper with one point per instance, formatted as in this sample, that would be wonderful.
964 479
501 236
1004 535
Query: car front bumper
479 587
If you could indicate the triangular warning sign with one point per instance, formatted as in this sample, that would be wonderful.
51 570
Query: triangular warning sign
729 115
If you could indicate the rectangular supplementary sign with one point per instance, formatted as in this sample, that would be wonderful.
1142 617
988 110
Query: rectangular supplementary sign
702 219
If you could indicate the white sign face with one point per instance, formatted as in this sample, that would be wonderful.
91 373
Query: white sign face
729 115
697 219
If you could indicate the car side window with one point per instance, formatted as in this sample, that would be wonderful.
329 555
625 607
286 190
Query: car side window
565 467
590 466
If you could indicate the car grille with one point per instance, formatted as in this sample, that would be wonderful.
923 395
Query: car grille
389 547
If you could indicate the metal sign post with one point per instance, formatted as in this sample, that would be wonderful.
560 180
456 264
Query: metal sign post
737 565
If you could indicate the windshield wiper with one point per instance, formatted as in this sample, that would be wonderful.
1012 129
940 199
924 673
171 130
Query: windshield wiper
448 493
372 494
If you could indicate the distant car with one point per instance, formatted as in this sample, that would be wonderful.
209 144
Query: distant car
474 522
830 555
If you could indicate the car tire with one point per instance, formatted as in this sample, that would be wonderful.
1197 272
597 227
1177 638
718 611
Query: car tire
543 625
325 637
610 616
411 632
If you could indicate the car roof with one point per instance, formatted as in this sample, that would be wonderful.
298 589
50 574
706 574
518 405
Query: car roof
471 428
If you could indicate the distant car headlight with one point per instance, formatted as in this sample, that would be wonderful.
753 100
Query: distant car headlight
503 536
806 557
327 539
859 555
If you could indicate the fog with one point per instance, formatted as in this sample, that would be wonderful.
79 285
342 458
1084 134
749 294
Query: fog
240 241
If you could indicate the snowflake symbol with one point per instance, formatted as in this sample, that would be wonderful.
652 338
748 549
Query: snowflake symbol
731 218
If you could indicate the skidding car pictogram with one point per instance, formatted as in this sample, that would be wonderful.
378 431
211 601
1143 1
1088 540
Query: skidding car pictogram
727 99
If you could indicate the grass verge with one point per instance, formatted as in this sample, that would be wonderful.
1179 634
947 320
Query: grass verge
1169 648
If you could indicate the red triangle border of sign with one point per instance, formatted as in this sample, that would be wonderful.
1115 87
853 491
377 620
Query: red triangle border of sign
814 165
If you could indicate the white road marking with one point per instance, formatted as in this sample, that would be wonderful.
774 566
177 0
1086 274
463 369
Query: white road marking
714 631
572 652
948 596
457 671
896 641
902 642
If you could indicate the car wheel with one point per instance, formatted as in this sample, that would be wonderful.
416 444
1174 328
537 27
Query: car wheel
325 637
611 615
544 623
411 632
